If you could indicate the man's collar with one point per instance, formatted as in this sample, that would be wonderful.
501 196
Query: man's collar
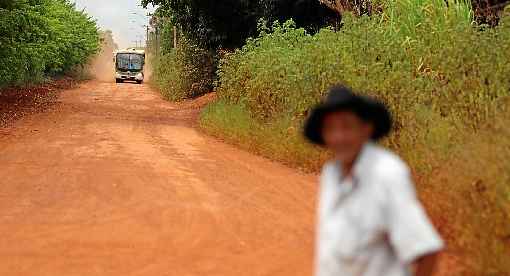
360 162
362 159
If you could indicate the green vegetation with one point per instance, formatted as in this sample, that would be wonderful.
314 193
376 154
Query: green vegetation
228 23
183 73
207 28
279 140
444 78
41 38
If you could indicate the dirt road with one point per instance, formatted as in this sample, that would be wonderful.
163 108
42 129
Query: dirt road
116 181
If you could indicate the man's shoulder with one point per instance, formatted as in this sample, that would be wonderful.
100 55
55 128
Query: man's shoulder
385 163
328 167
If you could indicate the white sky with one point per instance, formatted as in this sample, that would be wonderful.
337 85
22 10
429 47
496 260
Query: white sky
118 16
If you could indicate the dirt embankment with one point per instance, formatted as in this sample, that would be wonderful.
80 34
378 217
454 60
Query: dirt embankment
16 102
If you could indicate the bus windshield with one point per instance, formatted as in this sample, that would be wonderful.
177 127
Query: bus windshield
129 62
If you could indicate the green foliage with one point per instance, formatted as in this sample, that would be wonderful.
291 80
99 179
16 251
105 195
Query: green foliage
166 42
40 38
470 193
228 23
407 17
435 71
212 26
185 72
287 70
234 123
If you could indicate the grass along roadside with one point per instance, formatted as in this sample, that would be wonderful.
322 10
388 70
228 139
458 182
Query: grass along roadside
280 140
446 82
183 73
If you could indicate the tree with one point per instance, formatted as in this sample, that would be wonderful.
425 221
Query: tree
308 14
340 6
228 23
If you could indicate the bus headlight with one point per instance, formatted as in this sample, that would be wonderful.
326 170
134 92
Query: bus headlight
139 76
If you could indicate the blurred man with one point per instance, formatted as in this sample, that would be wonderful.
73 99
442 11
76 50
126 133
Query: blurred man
370 222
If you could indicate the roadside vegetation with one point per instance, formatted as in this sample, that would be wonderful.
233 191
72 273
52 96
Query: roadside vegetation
441 69
449 93
184 72
205 30
43 38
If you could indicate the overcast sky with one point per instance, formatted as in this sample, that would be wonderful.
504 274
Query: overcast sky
118 16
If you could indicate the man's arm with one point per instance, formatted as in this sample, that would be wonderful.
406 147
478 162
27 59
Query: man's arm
426 265
411 233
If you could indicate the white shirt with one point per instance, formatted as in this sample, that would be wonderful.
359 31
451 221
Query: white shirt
372 225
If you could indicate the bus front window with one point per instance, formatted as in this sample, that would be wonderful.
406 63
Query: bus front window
129 62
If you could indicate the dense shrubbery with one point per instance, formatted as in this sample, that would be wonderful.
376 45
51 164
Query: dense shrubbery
445 80
184 72
446 74
210 27
40 38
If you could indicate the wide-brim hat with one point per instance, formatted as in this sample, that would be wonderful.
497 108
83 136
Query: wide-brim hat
341 98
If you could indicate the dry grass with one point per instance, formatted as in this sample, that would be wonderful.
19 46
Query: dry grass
468 195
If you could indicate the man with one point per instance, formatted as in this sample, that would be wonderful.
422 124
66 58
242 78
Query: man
370 222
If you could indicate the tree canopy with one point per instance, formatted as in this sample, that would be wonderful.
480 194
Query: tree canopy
228 23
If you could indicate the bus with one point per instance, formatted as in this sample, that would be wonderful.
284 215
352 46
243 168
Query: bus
129 64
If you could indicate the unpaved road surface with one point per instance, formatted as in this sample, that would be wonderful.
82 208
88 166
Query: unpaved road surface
116 181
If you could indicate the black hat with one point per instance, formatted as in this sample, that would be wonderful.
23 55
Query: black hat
343 98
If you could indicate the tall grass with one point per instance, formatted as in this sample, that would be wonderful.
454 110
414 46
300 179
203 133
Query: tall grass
184 72
446 81
406 18
279 140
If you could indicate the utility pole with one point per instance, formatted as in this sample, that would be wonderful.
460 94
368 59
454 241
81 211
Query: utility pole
147 37
157 40
175 37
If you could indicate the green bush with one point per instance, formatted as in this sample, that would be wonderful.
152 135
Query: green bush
444 79
468 194
279 140
183 73
40 38
437 82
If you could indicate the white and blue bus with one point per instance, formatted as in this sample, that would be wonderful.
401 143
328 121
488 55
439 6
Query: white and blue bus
129 64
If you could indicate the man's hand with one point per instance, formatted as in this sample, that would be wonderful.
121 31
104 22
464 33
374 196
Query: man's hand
426 265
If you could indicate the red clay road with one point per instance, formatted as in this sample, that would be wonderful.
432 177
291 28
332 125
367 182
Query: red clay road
116 181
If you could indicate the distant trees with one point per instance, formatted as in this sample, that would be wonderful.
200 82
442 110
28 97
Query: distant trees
340 6
206 27
309 14
228 23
